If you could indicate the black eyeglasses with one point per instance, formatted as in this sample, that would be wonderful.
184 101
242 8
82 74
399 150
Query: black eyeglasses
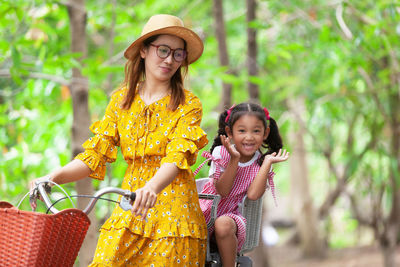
163 51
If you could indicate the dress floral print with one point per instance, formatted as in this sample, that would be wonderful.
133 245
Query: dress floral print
150 135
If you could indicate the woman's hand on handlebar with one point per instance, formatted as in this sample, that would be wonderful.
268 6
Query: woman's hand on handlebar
33 190
146 198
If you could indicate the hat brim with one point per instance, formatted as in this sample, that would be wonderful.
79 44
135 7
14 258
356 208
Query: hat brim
194 45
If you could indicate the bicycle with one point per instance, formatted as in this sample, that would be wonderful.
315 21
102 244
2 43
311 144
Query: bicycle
29 238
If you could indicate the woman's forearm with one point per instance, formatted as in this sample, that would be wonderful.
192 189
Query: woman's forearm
164 176
73 171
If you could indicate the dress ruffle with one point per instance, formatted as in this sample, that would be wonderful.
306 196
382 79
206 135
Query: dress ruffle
178 158
192 133
105 140
102 145
184 145
101 148
105 127
155 230
95 162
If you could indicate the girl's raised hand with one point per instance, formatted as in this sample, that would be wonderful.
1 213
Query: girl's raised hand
225 140
282 155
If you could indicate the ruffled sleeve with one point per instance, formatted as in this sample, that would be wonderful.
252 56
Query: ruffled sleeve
103 146
187 138
220 160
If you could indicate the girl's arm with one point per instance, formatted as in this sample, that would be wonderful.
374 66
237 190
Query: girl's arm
225 182
146 196
258 186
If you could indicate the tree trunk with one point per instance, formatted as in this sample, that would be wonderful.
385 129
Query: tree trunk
223 51
388 241
109 87
252 51
259 254
304 211
390 236
81 119
331 198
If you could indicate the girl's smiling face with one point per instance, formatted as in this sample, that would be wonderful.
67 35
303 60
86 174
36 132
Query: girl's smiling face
248 134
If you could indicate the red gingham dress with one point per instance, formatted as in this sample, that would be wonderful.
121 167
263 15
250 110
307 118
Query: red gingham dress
228 206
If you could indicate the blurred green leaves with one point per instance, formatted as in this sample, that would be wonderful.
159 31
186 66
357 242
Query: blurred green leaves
347 84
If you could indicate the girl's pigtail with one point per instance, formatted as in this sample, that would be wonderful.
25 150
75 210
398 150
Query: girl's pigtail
273 141
221 131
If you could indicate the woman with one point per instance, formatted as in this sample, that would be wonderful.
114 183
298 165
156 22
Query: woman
157 125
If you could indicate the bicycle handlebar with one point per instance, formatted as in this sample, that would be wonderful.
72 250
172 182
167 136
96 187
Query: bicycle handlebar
127 196
125 203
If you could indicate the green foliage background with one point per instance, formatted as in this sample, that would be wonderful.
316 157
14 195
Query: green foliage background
303 53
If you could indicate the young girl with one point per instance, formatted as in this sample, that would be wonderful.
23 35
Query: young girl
239 168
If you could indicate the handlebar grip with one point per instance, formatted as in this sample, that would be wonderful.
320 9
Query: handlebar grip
133 196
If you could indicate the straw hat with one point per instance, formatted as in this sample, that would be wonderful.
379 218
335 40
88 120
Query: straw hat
168 24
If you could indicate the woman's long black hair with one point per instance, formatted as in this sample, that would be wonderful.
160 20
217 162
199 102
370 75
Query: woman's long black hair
273 142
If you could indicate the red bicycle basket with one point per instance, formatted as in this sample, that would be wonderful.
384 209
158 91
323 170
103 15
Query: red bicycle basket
35 239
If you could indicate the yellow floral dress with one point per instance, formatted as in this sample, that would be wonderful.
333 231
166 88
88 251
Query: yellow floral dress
174 232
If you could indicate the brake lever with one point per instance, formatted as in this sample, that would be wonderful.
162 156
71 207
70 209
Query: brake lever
125 203
33 196
126 200
36 195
